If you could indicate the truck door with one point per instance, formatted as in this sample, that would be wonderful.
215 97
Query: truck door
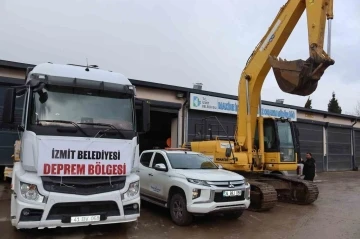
144 172
159 179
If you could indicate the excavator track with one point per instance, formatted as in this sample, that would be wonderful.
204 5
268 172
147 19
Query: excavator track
263 196
300 192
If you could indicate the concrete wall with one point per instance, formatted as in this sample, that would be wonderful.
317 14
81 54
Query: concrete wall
12 73
330 119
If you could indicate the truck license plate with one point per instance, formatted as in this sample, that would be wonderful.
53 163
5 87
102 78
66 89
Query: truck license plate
94 218
233 193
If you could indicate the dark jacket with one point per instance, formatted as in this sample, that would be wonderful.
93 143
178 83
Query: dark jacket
309 167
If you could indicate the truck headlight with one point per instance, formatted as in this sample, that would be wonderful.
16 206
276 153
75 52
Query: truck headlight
133 189
30 192
198 182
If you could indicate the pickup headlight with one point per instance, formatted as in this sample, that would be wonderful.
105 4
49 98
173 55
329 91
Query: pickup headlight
196 193
133 190
30 192
247 189
246 182
198 182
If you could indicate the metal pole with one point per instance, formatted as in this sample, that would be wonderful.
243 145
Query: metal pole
329 38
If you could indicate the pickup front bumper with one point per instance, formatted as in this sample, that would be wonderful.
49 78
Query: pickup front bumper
213 201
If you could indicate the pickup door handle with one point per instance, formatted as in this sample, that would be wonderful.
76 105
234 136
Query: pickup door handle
150 174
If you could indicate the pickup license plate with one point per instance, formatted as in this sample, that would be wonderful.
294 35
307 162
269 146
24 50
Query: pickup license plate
94 218
233 193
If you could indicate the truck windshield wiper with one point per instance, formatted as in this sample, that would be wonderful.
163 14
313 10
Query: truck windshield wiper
108 125
67 122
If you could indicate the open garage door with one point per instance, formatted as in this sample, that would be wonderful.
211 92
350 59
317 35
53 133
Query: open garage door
163 125
312 140
339 148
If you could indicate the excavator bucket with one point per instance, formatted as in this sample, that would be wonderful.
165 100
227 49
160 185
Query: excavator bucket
297 77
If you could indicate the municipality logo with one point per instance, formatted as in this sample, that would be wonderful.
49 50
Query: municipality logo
196 101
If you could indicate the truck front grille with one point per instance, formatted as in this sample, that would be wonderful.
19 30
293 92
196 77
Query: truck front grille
220 198
63 211
225 184
83 185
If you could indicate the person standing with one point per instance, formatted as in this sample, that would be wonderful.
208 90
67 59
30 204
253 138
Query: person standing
309 167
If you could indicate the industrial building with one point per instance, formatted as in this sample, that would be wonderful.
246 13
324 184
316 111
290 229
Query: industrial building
177 115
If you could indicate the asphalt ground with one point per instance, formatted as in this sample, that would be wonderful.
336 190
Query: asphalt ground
336 214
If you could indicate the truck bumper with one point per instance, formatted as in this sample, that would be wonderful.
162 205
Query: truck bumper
216 207
59 208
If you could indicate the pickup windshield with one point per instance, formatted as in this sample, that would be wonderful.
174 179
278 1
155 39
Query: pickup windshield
89 108
190 161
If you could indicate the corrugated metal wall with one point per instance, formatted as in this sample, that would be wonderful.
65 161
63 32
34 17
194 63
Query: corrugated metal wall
338 155
196 125
8 136
339 148
356 148
312 140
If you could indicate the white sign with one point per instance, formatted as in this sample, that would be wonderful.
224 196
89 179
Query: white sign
66 157
228 106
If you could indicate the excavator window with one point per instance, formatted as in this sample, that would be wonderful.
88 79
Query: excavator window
286 140
270 140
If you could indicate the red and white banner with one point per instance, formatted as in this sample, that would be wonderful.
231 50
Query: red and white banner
79 157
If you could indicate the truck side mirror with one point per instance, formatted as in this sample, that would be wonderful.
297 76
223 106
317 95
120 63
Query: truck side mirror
228 152
160 167
145 116
9 106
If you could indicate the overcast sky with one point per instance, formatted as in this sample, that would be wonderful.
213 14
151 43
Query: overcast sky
177 42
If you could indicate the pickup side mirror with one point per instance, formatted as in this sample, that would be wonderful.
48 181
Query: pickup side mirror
145 116
228 152
160 167
9 106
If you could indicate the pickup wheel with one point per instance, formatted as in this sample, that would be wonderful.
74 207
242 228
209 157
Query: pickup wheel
178 210
233 215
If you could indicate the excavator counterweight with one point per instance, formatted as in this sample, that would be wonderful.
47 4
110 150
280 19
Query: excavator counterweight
298 77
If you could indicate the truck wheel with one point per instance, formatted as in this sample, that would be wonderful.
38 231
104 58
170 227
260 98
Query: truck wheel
233 215
178 210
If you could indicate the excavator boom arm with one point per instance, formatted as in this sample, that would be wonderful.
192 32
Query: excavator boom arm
294 77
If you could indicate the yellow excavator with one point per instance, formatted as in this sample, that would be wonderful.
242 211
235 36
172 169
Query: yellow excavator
263 147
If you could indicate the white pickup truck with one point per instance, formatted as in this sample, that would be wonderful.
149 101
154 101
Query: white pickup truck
189 183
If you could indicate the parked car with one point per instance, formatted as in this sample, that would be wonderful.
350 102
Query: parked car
190 184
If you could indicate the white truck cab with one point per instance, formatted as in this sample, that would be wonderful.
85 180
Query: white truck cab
78 144
189 183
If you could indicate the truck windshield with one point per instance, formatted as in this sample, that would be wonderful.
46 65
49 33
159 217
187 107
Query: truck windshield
190 161
287 150
84 106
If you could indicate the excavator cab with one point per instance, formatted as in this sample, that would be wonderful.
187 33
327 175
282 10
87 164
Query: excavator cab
298 77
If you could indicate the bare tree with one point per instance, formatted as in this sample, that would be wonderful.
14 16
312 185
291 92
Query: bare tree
357 108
